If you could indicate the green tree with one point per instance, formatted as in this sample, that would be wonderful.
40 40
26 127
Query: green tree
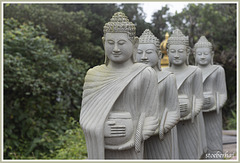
159 22
135 14
96 15
67 28
42 89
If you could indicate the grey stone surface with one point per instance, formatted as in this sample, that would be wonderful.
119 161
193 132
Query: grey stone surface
229 139
190 129
230 144
214 94
229 132
163 145
118 112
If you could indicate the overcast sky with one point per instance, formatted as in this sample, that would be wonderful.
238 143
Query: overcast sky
150 7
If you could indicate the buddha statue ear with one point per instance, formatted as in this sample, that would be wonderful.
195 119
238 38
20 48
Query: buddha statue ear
212 57
135 47
194 55
188 53
159 53
169 63
106 60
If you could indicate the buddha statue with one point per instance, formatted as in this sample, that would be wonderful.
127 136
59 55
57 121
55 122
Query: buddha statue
214 93
162 145
190 129
118 111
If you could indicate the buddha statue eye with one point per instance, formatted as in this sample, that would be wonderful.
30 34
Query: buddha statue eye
149 51
121 42
199 53
180 50
172 50
139 51
110 42
206 53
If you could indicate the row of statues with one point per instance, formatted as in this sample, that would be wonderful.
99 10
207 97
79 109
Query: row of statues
134 109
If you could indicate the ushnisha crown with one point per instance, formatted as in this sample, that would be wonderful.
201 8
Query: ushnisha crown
119 23
203 43
147 37
177 38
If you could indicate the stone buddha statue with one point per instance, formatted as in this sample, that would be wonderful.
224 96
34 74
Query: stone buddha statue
162 145
214 93
118 111
190 129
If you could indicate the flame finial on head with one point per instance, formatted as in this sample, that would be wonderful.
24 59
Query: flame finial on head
147 37
119 23
202 43
178 38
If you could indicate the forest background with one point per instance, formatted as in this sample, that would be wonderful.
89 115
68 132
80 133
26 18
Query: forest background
49 47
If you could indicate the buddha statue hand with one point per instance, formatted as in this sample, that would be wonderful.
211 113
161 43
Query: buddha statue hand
149 127
184 105
209 100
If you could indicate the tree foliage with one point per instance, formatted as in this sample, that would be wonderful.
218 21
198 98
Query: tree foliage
159 23
67 28
135 14
48 49
42 87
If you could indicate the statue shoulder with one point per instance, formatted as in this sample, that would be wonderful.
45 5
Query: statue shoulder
165 75
166 69
220 69
196 69
149 71
96 69
171 77
149 74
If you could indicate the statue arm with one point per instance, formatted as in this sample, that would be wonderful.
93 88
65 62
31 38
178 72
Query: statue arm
172 104
149 102
221 87
197 92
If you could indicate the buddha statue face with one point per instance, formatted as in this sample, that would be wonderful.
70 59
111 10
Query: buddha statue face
148 50
118 47
177 54
147 53
119 41
203 56
202 52
178 48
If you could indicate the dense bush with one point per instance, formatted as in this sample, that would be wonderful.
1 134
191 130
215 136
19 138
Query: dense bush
67 28
42 89
48 49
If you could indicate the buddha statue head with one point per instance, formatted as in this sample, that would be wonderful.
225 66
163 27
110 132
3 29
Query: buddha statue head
178 48
119 39
149 50
203 53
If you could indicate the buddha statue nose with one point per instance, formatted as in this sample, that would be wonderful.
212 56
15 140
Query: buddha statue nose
176 55
116 49
144 56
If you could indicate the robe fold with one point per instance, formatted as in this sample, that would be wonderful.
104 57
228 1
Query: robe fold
105 90
166 148
214 82
191 132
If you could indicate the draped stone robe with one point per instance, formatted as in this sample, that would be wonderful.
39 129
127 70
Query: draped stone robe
214 83
167 146
190 129
105 90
